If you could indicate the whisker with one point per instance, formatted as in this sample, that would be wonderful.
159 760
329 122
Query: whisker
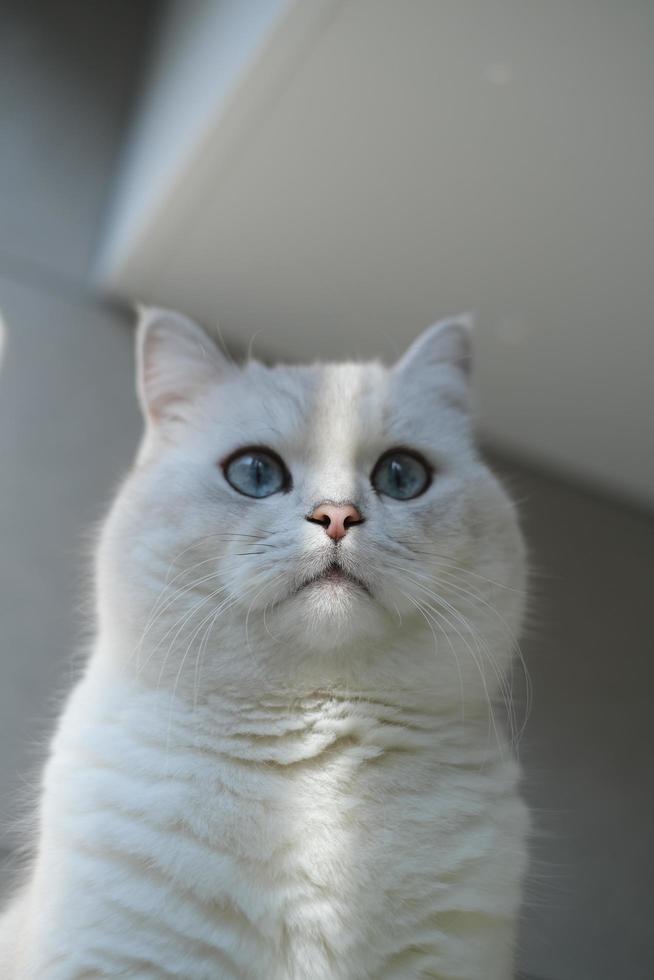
180 624
515 646
414 548
156 613
430 623
450 579
480 650
276 578
441 615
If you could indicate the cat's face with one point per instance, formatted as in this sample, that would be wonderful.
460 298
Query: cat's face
315 508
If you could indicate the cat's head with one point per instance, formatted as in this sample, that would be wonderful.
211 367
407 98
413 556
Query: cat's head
277 514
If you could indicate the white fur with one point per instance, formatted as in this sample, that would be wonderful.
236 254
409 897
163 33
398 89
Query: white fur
255 781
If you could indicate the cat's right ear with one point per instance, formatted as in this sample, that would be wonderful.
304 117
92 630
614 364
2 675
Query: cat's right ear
175 360
440 360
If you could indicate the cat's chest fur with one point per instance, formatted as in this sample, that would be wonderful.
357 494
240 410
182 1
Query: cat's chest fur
323 836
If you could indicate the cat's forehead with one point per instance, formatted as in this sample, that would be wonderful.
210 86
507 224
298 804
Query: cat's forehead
324 384
311 400
337 404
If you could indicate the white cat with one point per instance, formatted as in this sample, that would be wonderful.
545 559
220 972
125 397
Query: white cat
283 761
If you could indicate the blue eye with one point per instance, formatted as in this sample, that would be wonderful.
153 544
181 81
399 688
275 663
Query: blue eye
401 475
257 473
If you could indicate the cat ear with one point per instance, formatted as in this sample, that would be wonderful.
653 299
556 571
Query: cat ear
175 360
445 345
446 342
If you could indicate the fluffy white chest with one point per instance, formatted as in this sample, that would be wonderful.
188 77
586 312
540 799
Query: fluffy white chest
327 838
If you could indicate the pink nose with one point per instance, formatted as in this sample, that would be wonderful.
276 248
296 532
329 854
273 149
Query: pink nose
335 518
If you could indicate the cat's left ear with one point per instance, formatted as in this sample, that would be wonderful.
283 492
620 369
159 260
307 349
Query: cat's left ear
443 351
176 359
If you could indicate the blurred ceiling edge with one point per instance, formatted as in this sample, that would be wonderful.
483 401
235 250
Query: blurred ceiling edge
211 77
330 177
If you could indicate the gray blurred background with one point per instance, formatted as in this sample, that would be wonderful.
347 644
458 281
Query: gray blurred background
326 179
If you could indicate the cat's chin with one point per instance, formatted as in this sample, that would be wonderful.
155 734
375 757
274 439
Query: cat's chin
330 613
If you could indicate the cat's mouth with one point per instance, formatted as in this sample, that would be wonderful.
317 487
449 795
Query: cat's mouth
337 577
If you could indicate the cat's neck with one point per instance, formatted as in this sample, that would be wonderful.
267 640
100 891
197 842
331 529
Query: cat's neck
407 675
288 726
